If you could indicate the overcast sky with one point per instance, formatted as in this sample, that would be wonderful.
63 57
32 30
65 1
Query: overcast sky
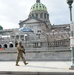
12 11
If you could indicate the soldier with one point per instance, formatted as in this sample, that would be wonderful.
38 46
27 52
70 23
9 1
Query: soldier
20 51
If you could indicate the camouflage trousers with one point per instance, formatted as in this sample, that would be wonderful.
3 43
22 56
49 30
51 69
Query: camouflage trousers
20 55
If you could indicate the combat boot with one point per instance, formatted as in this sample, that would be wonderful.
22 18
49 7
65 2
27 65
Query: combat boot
17 65
26 63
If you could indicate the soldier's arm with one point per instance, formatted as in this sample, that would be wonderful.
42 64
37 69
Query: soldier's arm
23 49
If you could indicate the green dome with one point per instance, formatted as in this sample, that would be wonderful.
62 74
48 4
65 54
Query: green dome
38 6
1 28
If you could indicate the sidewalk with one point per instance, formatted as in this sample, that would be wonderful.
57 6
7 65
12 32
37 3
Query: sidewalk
36 66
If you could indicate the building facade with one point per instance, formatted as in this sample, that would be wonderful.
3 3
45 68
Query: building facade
37 32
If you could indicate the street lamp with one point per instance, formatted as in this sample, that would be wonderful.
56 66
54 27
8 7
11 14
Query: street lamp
72 43
69 2
26 38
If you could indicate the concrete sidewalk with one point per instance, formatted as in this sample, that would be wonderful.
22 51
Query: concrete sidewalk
36 66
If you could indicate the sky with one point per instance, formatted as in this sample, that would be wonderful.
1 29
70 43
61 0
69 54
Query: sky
12 11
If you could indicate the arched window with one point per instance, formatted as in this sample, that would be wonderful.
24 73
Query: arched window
17 36
11 45
45 15
5 45
32 15
36 15
0 46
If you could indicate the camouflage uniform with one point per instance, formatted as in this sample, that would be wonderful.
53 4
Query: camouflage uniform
20 49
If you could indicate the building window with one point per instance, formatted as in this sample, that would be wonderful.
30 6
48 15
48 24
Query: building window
43 6
41 15
5 45
45 15
11 45
12 37
17 36
40 6
0 46
37 45
32 15
21 36
36 15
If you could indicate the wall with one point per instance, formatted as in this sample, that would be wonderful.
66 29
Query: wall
37 55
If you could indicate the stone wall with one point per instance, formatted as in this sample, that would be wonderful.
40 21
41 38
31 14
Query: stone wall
37 55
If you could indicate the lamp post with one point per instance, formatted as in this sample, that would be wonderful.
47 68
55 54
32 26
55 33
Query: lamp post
72 44
26 38
69 2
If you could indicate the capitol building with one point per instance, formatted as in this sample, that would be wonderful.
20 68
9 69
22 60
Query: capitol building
36 32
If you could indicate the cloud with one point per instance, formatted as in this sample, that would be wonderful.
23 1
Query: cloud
58 11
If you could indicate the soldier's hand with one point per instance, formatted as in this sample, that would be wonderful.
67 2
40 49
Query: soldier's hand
24 52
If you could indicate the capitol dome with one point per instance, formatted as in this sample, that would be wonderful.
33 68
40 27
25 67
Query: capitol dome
38 6
39 11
